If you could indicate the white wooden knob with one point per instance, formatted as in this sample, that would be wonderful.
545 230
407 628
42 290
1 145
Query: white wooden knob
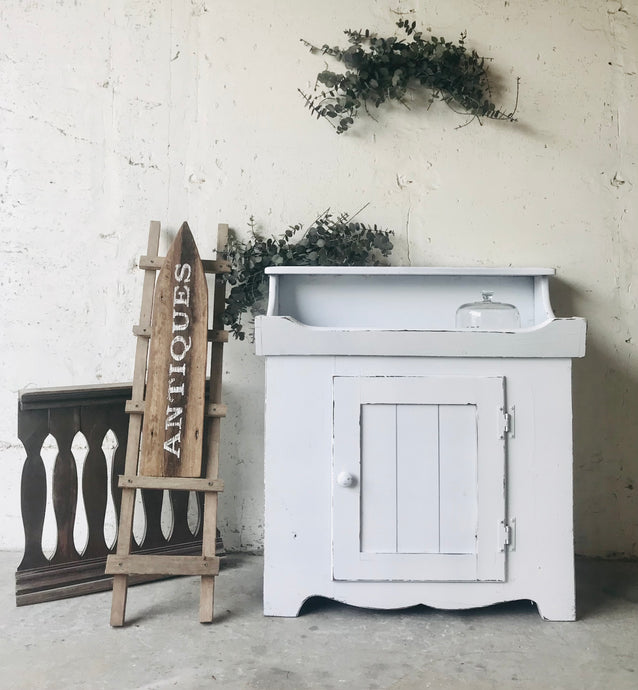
345 479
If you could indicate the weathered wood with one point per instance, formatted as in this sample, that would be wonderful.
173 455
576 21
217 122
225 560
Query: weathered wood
207 586
134 407
127 501
210 410
94 426
176 304
217 336
32 430
142 331
100 408
171 483
216 410
172 431
72 396
162 565
213 336
86 576
62 413
101 583
155 263
219 266
76 578
64 423
178 502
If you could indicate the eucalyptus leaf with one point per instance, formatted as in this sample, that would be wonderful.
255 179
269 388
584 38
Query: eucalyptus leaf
329 241
379 69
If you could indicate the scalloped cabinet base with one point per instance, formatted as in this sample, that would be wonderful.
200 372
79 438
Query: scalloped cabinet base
406 461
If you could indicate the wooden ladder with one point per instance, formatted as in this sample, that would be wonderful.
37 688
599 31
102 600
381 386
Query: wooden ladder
123 563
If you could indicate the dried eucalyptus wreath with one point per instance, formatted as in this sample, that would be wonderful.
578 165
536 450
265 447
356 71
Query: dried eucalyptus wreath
380 69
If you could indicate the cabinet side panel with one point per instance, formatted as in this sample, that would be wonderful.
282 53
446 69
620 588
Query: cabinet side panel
297 481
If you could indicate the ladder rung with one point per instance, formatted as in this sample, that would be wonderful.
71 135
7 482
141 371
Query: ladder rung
154 263
216 266
211 410
216 410
134 407
161 565
142 331
171 483
217 336
151 263
213 336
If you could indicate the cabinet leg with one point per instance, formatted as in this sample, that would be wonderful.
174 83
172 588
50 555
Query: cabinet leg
552 610
284 607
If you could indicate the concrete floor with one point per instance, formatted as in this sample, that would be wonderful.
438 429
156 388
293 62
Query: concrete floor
69 644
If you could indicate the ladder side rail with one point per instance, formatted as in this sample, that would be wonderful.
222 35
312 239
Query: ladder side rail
125 526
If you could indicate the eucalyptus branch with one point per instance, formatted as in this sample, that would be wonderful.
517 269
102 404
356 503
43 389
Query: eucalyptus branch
380 69
327 241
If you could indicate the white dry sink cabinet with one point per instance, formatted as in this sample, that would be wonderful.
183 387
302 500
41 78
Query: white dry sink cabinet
409 461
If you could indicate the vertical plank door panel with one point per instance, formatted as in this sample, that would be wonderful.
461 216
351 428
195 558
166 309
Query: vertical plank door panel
378 479
417 478
459 489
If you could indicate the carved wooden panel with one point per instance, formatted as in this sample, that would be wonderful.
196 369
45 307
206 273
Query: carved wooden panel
73 569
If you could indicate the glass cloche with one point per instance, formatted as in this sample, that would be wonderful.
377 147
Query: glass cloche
488 315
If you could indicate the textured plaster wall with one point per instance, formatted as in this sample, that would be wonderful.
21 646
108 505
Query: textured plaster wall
115 113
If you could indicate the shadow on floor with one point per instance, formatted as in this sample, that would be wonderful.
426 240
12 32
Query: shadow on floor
598 581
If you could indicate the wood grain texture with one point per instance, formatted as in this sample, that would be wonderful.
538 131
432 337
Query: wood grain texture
175 398
162 565
97 412
172 483
172 432
33 428
213 432
155 263
126 501
64 423
94 424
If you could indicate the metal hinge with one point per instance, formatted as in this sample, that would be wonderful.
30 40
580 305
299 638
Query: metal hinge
507 422
507 535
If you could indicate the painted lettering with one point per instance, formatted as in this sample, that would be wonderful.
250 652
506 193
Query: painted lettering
181 321
172 445
174 390
183 273
181 295
179 347
174 417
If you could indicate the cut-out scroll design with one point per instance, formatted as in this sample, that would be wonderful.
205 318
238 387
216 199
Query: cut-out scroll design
97 413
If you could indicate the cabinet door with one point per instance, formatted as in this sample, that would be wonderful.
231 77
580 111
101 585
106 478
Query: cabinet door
418 478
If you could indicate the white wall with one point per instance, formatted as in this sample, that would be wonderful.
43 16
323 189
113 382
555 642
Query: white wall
115 113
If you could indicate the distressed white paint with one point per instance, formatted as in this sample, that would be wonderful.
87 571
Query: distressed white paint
417 479
433 531
462 461
381 297
114 113
347 536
